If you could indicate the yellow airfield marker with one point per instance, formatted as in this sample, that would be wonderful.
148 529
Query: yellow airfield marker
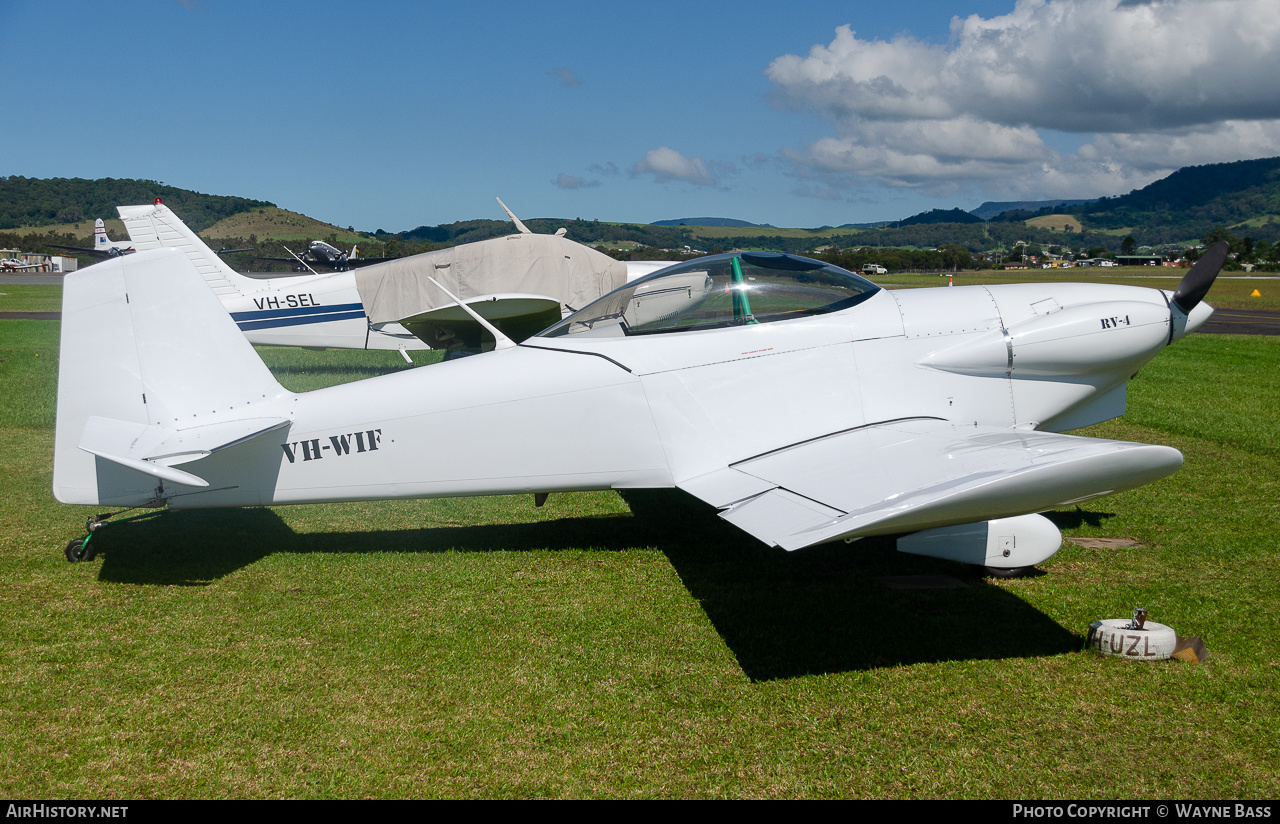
1256 294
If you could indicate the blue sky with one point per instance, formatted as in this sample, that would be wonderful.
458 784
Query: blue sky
398 114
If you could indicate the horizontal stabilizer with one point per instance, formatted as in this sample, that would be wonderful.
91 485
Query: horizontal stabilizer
154 449
927 473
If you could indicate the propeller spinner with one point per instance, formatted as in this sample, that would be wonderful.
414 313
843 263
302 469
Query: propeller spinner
1185 309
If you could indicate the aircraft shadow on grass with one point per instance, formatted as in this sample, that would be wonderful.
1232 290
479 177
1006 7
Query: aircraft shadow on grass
783 615
1078 518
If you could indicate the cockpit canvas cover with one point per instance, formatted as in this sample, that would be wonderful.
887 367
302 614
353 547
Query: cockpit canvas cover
527 264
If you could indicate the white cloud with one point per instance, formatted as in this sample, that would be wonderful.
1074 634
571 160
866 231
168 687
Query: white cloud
1158 84
667 164
567 181
824 193
566 77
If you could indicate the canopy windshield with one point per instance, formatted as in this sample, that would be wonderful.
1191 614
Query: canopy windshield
719 291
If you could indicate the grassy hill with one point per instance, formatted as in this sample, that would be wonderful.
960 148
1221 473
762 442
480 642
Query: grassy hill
265 222
279 224
1243 196
79 228
1060 223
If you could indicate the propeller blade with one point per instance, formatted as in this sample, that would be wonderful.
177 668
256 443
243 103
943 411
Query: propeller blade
1195 285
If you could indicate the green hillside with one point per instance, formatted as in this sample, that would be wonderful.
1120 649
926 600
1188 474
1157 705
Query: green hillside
1243 196
29 202
1221 194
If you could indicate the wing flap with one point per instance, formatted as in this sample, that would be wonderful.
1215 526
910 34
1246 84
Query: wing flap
921 474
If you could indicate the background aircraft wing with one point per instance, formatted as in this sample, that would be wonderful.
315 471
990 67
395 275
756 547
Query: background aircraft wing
83 250
915 474
517 316
340 265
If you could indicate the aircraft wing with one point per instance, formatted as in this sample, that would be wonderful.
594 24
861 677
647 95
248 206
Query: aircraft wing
101 253
350 263
517 316
921 473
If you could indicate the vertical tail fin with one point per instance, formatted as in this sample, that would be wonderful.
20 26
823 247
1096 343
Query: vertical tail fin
152 373
157 227
100 239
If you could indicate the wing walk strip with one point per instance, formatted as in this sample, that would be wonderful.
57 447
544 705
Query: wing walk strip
927 472
272 318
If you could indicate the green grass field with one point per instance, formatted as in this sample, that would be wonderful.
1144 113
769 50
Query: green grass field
483 647
17 298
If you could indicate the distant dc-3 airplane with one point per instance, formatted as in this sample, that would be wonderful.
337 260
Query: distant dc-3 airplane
803 402
520 283
103 246
328 256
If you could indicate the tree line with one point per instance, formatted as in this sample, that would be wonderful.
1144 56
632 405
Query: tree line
26 201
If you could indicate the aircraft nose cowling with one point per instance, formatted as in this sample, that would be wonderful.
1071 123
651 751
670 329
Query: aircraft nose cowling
1089 338
1199 314
1079 340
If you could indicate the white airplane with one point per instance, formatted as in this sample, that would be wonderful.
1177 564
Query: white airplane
103 246
328 256
521 283
15 265
803 402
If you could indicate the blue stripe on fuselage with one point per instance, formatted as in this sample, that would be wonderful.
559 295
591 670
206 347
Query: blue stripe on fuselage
299 310
248 326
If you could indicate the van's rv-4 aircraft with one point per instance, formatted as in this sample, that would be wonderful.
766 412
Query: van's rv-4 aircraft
520 283
803 402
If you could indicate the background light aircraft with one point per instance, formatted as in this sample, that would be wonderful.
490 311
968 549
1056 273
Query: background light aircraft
521 283
15 265
327 256
804 403
103 246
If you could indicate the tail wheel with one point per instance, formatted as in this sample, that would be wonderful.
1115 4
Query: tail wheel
77 550
1005 572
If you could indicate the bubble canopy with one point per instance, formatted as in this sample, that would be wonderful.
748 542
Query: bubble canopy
716 292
